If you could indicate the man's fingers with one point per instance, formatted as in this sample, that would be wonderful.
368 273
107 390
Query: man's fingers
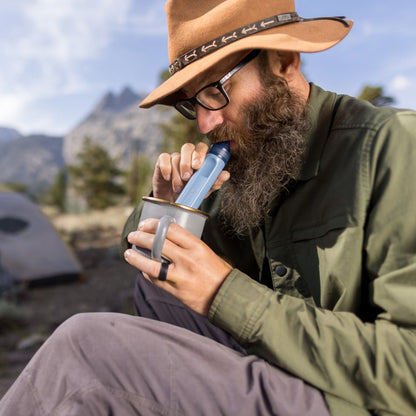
186 170
176 235
164 165
177 168
223 177
172 171
150 268
177 183
144 238
199 155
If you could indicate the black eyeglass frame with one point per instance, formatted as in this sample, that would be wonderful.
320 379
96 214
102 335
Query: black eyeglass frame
218 85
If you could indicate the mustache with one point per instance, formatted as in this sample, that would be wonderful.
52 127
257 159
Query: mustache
223 133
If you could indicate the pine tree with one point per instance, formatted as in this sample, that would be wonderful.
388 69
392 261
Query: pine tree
96 176
139 178
375 95
57 191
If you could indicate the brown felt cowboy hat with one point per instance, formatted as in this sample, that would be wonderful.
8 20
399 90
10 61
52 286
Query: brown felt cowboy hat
204 32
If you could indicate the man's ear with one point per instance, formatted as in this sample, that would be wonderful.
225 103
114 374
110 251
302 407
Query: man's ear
285 64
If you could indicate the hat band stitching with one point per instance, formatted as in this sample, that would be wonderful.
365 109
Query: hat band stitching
242 32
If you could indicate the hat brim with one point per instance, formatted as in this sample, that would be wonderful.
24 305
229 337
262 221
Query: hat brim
308 36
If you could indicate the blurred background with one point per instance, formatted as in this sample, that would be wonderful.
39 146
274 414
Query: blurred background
79 153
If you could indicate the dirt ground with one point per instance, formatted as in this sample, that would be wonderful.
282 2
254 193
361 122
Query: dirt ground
108 286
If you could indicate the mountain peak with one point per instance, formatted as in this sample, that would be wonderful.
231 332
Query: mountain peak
7 134
116 103
128 94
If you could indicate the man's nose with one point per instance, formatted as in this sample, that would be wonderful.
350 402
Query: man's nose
207 119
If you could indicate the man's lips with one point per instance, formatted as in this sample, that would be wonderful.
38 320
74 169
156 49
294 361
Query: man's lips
233 144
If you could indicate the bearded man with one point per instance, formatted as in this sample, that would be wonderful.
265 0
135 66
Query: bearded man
299 298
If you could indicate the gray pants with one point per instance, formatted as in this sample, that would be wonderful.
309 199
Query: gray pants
113 364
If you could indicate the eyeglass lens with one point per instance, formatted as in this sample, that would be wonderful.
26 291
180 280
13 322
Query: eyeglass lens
187 109
212 97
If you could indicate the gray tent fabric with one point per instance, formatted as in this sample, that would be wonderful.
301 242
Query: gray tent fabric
30 248
7 280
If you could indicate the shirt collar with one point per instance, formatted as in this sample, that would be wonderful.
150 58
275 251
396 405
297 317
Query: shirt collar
320 110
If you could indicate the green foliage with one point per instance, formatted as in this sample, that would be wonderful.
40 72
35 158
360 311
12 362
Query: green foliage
139 178
164 75
96 177
58 191
13 186
375 96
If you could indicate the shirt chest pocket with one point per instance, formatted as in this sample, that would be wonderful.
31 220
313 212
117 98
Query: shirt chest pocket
329 259
320 261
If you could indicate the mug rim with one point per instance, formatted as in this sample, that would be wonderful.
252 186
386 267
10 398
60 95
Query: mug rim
164 202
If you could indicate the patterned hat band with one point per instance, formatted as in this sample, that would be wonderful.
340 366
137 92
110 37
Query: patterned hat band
242 32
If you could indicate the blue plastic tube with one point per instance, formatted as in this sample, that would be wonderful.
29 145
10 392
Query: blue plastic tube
202 180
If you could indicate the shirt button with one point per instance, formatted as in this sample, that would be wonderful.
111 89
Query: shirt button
280 270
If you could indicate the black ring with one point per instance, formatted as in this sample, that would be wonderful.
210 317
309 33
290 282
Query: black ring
163 271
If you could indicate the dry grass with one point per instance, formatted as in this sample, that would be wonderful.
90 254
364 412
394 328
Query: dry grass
113 217
93 229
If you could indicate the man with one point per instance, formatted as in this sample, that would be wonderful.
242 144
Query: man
307 266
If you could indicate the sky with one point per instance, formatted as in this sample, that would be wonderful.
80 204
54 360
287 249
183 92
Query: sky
59 57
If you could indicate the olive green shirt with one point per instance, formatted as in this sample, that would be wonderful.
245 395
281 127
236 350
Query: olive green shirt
339 250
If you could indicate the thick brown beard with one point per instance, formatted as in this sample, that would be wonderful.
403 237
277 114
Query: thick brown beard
270 152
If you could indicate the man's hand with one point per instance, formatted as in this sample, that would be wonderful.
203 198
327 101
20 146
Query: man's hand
195 273
172 171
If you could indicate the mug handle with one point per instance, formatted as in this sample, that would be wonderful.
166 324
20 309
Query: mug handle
161 231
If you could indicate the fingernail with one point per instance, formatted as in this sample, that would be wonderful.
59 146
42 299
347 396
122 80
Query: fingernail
178 189
141 225
196 161
186 176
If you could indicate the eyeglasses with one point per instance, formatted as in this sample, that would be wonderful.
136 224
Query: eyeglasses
213 96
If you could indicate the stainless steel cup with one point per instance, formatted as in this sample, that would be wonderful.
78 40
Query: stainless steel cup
167 212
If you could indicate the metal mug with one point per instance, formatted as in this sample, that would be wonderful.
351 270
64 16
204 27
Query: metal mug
167 212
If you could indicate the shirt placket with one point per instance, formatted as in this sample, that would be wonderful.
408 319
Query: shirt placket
280 254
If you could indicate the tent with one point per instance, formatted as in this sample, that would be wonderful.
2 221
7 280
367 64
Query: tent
31 250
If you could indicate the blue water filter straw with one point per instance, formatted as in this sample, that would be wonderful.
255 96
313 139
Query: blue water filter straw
202 180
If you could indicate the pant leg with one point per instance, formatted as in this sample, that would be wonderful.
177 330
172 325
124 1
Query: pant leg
112 364
155 303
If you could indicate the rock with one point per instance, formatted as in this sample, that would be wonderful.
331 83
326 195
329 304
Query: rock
7 134
33 161
123 129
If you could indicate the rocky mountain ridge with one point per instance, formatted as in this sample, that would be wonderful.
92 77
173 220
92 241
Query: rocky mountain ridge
117 103
7 134
120 126
32 161
115 122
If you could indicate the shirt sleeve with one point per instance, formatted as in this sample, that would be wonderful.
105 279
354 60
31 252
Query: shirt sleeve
370 365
